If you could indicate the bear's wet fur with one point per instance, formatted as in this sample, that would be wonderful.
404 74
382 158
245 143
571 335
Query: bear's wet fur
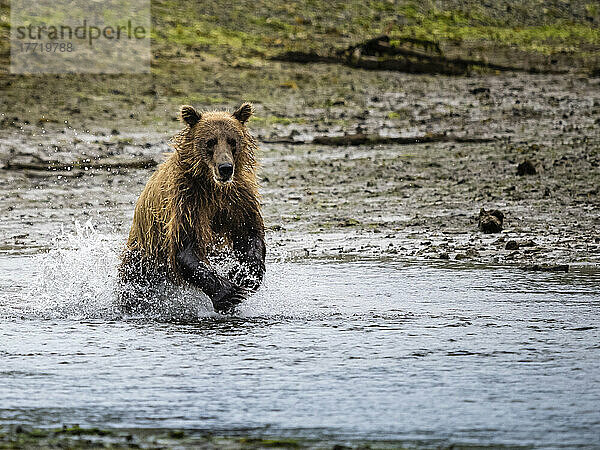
202 200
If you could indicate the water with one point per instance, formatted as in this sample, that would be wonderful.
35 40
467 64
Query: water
357 349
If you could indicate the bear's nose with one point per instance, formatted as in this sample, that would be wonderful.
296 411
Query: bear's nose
225 171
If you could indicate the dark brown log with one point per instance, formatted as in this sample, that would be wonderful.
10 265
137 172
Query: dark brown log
39 164
374 139
379 54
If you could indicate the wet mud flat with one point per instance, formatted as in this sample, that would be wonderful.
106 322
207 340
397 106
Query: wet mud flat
527 145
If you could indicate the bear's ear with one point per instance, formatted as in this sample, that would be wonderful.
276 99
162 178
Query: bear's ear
189 115
244 112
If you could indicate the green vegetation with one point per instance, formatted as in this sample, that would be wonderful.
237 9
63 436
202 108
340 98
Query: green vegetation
74 430
81 437
214 54
265 27
546 39
270 120
270 443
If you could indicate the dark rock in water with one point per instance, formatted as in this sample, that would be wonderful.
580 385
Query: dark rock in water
491 221
512 245
444 255
526 168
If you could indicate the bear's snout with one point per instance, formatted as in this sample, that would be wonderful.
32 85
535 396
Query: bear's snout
225 171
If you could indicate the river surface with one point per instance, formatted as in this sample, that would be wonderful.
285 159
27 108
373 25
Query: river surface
436 354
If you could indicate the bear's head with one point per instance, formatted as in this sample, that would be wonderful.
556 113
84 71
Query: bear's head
216 144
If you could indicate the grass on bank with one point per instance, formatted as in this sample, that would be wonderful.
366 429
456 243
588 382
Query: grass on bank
263 28
214 54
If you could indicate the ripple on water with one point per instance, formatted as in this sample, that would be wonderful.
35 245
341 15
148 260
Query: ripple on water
361 349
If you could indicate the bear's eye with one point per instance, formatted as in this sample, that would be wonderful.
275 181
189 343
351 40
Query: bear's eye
211 143
232 143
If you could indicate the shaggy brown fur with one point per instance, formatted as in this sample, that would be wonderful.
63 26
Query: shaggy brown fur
186 204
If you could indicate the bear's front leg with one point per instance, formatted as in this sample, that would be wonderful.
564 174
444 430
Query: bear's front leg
224 294
251 251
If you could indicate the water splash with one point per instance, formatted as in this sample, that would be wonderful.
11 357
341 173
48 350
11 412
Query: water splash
78 280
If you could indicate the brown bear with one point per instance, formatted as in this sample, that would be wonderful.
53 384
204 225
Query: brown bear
201 201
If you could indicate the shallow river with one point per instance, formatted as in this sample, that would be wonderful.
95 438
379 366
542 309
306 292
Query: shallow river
357 350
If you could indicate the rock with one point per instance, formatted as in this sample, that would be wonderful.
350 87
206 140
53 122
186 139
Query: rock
444 255
491 221
526 168
512 245
480 90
